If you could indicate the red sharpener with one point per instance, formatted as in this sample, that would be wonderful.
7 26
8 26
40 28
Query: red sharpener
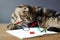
32 32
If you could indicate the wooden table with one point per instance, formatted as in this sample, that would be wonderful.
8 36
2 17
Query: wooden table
6 36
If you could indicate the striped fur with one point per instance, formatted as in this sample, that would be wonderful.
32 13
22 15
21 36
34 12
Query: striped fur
43 16
18 15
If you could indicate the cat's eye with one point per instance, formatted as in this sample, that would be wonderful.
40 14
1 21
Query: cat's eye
21 6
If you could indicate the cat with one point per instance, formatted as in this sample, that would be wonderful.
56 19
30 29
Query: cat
44 17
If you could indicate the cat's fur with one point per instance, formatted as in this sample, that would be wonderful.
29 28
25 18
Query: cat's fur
45 17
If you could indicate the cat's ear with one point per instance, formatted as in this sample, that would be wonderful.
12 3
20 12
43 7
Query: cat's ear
22 5
37 8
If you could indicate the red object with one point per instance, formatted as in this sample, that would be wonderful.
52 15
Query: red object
33 24
32 32
19 22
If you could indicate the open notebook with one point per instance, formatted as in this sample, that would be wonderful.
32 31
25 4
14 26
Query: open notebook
20 33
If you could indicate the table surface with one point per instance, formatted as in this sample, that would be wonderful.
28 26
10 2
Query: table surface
6 36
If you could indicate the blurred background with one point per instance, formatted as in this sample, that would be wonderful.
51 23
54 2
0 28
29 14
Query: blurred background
8 6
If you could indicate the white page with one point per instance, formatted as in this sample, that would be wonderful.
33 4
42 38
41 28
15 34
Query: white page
26 34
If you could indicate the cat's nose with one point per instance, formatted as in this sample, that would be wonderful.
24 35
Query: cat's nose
26 9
